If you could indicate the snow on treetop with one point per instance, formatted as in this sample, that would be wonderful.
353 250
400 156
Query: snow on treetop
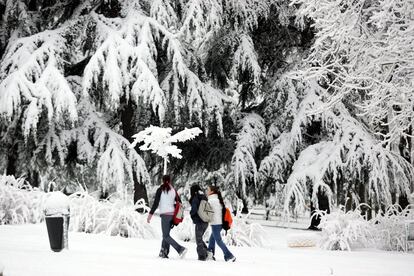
57 204
159 140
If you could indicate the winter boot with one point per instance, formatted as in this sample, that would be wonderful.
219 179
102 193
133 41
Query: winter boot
182 253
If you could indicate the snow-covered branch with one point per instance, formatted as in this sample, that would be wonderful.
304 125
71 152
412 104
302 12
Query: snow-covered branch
251 136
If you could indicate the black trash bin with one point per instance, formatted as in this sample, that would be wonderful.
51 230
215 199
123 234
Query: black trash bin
57 211
57 229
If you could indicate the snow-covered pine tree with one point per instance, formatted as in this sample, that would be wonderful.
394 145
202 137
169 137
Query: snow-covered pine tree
264 90
129 56
344 161
244 169
363 52
79 78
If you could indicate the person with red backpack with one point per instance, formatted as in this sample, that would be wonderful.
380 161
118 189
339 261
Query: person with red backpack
166 200
216 202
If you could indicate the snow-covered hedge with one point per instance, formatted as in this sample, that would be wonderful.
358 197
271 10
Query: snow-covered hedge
115 217
19 202
390 227
185 231
345 230
349 230
243 233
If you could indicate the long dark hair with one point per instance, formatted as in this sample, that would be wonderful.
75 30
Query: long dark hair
215 190
193 191
166 183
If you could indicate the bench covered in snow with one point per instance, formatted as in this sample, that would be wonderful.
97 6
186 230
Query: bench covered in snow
302 240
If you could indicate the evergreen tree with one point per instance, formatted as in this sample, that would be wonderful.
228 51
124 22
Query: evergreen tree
302 97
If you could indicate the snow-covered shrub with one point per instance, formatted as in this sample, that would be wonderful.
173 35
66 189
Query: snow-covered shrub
345 230
114 217
243 233
386 231
390 227
185 231
19 202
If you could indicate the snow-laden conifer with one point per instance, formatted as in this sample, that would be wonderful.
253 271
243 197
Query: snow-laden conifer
319 167
244 167
363 50
245 59
117 163
31 80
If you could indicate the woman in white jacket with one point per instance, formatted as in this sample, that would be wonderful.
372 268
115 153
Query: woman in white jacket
217 204
165 199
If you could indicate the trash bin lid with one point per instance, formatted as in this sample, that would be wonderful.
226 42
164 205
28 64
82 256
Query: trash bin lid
57 204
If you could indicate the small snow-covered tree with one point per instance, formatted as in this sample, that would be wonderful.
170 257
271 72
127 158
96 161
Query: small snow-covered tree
160 141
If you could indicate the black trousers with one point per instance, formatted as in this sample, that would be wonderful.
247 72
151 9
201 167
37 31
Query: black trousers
200 229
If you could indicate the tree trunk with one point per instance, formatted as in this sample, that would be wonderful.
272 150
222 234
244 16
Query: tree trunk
323 202
11 160
411 147
403 201
140 191
411 150
127 113
363 199
245 209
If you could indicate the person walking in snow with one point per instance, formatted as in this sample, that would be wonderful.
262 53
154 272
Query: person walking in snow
217 204
196 196
165 198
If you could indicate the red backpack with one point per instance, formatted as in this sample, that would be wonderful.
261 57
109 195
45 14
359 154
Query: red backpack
227 219
178 216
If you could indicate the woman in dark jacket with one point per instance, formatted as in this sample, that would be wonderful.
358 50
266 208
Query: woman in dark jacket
196 195
165 199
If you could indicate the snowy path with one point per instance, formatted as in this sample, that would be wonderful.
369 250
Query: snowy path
24 251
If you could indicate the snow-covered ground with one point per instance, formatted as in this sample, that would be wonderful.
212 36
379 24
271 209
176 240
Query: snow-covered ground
24 251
